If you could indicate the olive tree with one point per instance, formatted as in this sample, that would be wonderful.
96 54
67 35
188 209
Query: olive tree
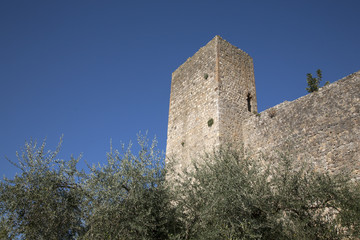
229 196
128 197
44 200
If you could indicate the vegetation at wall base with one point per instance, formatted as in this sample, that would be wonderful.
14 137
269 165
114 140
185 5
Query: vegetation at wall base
245 198
223 196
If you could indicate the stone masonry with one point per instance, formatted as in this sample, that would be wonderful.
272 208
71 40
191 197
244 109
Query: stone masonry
211 94
213 102
322 127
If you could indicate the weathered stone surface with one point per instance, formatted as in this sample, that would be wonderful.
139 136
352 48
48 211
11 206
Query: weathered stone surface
217 84
213 84
323 127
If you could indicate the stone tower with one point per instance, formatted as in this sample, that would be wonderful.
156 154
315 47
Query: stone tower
211 94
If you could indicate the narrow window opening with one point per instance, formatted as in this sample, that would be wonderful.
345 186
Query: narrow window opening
248 99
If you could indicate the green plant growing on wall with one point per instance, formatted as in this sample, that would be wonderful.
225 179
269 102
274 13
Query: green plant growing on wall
210 122
206 76
257 114
313 82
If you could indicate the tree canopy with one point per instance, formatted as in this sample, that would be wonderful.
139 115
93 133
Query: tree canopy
223 196
229 196
45 200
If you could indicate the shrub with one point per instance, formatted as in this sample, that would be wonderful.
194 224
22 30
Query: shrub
314 82
228 196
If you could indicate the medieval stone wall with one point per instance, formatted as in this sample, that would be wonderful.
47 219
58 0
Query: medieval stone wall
322 127
218 84
193 102
237 87
211 94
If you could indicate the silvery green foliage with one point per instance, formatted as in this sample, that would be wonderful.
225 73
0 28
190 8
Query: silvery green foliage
43 201
127 197
3 230
228 196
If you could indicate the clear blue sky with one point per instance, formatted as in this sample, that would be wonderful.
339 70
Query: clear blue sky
96 70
